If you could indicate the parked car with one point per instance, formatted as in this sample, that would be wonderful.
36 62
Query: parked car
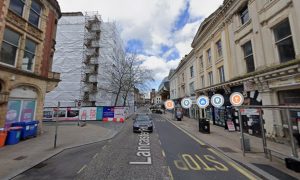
142 123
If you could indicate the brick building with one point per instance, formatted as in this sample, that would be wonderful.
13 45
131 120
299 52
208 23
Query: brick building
27 41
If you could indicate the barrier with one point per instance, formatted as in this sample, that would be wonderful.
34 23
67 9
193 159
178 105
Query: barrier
113 120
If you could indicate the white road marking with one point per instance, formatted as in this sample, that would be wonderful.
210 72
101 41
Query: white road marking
80 170
95 155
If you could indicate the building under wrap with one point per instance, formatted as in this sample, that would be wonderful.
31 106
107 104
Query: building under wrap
87 48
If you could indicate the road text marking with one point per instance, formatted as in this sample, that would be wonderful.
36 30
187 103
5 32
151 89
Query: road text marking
143 149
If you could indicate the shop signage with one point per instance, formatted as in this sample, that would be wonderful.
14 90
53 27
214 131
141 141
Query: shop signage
230 126
249 112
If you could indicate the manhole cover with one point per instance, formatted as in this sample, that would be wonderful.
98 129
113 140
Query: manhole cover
227 149
20 158
41 165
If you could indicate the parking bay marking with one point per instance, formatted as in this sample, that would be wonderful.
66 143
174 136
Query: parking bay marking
143 149
229 161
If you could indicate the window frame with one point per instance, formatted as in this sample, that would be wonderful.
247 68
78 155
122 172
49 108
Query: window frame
34 54
219 48
24 3
246 56
210 78
201 63
242 13
209 57
192 74
193 88
221 74
17 51
290 36
202 81
39 14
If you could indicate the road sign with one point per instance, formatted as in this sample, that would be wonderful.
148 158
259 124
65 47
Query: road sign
186 103
169 104
236 99
203 102
217 100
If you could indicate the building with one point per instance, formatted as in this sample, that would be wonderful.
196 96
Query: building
88 48
252 47
152 96
158 99
27 41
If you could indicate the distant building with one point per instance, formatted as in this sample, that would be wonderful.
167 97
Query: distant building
27 41
152 96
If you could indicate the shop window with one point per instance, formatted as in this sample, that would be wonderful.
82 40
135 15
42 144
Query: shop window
219 49
221 74
29 55
20 110
35 13
284 41
248 56
17 6
244 15
9 47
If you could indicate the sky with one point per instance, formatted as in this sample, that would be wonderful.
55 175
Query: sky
159 31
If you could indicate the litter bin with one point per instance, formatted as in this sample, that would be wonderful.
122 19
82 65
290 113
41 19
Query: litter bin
13 135
204 126
3 135
29 128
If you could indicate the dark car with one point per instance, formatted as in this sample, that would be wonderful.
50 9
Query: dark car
142 123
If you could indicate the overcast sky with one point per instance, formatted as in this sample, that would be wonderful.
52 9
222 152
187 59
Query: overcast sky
161 31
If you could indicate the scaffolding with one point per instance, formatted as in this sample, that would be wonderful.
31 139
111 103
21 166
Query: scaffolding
90 59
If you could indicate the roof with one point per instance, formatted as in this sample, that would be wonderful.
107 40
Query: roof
56 6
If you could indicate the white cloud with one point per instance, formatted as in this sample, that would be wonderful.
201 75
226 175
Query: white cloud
150 21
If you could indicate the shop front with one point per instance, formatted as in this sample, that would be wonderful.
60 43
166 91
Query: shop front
21 105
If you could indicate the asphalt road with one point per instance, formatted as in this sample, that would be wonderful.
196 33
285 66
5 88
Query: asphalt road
191 159
167 153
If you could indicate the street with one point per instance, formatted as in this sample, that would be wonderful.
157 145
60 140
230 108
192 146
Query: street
173 155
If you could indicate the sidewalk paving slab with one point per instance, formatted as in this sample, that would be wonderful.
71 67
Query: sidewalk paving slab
15 159
229 144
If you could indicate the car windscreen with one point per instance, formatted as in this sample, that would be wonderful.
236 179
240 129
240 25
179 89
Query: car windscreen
142 118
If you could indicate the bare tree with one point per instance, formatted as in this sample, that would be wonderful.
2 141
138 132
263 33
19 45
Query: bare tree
136 77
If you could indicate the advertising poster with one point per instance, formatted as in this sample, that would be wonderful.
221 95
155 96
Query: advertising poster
13 112
119 112
28 109
48 114
99 114
108 112
88 113
72 114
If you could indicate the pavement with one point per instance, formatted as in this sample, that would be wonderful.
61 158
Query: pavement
228 143
15 159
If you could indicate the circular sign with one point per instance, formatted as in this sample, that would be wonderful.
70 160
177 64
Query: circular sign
169 104
202 101
236 99
186 103
217 100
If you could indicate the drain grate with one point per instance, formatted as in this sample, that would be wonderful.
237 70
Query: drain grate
227 149
20 158
41 165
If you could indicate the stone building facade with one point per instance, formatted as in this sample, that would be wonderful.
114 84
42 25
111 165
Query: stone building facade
252 47
27 41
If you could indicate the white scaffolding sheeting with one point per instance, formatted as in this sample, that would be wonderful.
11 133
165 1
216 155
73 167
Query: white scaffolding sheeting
67 61
71 61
